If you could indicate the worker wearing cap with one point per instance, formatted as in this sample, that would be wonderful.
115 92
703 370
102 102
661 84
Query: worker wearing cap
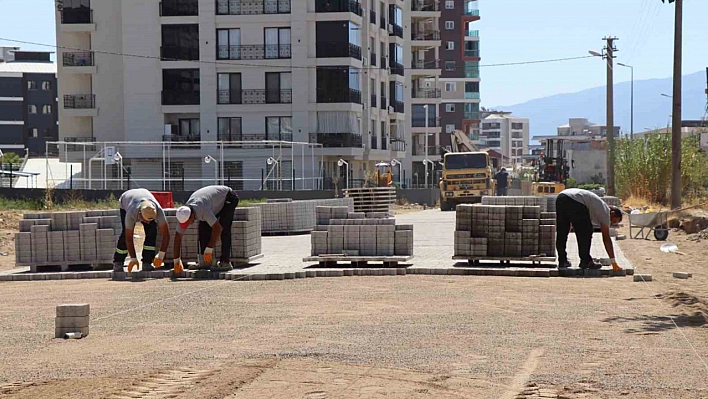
213 207
580 208
502 179
139 205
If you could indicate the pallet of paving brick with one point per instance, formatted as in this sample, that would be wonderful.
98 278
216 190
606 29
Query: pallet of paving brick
357 261
373 199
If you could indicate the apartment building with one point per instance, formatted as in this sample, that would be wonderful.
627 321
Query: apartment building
28 101
583 127
506 134
327 72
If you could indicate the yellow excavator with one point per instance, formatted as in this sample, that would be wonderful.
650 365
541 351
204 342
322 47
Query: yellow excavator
384 174
467 173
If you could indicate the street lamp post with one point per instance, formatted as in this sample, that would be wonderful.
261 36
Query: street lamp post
395 162
631 129
342 163
209 159
426 145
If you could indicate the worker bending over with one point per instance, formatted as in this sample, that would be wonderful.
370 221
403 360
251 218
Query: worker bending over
139 205
213 207
581 208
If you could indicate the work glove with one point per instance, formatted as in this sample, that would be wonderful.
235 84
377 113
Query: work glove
615 266
208 255
157 262
178 267
132 262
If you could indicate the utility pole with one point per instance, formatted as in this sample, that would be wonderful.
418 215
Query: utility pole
676 117
609 55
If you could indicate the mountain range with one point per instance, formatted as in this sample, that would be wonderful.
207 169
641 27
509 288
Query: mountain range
651 109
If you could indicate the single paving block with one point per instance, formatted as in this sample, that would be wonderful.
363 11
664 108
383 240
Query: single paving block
682 275
73 310
642 277
71 322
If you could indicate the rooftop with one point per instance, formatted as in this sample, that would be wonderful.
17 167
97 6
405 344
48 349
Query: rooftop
28 67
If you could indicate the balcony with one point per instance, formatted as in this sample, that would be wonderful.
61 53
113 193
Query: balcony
472 95
426 35
80 101
177 53
472 70
422 64
425 5
179 8
398 106
326 95
178 138
472 33
339 6
79 59
372 104
384 103
474 115
472 53
337 140
77 16
396 31
254 52
472 12
177 97
384 143
338 50
255 96
372 17
372 59
252 7
423 92
397 69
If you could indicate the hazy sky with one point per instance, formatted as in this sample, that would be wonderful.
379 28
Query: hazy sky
517 30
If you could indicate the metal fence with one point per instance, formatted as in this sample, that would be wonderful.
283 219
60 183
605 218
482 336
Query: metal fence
184 165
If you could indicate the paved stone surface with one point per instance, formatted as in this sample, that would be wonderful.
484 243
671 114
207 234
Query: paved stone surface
433 250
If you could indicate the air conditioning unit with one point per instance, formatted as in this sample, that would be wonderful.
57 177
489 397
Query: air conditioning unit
390 109
366 61
390 28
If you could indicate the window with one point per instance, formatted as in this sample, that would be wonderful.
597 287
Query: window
46 85
449 65
180 42
450 4
450 46
31 85
189 128
279 87
277 42
228 44
419 119
279 128
32 109
180 86
449 25
517 126
34 132
46 109
451 86
449 129
494 144
449 107
229 129
47 132
517 135
229 88
471 87
486 126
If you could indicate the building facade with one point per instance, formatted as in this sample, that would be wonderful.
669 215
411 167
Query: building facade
583 127
507 134
326 72
28 101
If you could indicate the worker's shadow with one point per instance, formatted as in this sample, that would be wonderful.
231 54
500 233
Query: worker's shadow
656 324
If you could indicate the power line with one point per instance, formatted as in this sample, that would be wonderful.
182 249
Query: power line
255 65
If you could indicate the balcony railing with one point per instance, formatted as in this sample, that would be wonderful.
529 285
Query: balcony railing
382 62
426 35
327 95
255 96
423 64
179 138
372 17
397 69
373 104
77 16
337 140
472 115
423 92
339 6
338 50
80 59
80 101
384 142
471 70
473 12
254 52
252 7
472 33
372 59
397 31
420 122
472 95
472 53
179 8
384 103
177 53
177 97
425 5
398 106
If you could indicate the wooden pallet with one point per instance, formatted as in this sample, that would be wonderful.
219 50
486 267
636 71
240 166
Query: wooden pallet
506 260
357 261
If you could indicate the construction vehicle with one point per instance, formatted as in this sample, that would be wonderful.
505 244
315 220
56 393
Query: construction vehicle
384 174
553 171
467 173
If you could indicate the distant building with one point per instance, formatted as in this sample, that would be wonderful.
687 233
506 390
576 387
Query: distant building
583 127
28 101
505 133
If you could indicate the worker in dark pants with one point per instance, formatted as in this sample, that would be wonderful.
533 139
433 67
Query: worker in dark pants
502 179
139 205
213 207
580 208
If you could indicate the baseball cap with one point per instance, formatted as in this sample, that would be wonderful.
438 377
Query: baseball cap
148 210
183 214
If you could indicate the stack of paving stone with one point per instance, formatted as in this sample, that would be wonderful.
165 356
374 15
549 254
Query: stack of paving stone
72 319
518 201
339 231
504 231
245 237
67 238
283 216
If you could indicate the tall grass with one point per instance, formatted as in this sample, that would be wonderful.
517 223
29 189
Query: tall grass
643 168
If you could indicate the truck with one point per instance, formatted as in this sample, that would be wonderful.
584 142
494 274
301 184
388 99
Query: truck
467 173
